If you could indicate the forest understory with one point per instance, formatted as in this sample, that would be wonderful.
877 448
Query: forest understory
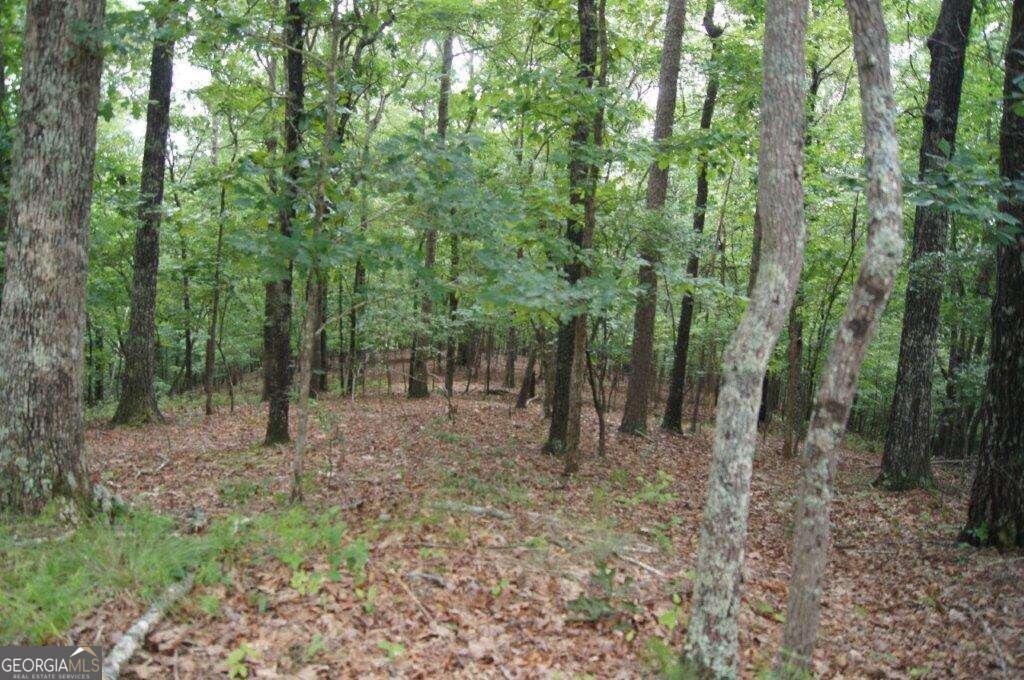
431 548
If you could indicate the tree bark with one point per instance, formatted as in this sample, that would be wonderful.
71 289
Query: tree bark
138 398
882 258
419 379
673 418
279 292
564 431
905 460
996 512
42 321
641 362
712 634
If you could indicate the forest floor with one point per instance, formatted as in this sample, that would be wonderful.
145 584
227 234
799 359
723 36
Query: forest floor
393 567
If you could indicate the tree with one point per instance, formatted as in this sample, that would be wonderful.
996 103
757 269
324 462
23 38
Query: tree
42 320
905 460
419 385
564 432
712 634
882 258
673 418
138 398
995 515
641 363
279 291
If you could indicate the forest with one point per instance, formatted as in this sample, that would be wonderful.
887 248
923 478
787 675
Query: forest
512 338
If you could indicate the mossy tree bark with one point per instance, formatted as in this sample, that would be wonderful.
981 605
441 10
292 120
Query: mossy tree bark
996 512
279 291
137 404
641 362
42 321
712 634
906 457
566 385
882 258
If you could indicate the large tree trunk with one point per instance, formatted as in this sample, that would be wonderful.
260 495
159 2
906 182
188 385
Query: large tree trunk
279 292
138 398
996 512
641 363
882 258
712 634
419 378
673 418
564 431
42 321
905 461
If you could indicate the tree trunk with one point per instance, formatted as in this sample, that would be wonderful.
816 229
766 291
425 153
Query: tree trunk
279 292
673 418
712 634
641 363
882 258
451 346
511 354
42 320
209 360
564 432
528 386
905 461
794 352
138 398
419 379
996 512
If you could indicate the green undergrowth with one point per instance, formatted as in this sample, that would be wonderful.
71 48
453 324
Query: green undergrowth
46 585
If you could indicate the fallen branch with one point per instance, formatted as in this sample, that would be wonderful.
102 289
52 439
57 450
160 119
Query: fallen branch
642 565
433 579
483 511
133 637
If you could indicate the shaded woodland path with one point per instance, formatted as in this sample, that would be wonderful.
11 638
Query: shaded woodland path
464 594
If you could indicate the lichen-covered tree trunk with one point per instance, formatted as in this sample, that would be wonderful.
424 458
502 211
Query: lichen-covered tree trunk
419 379
641 363
996 512
673 417
138 398
712 634
567 380
905 460
882 258
279 291
42 321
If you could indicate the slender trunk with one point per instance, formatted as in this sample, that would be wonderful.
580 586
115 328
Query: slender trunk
511 354
996 512
905 460
419 383
529 384
712 634
186 302
451 346
42 320
311 323
673 418
138 398
794 353
211 336
882 258
564 432
641 364
279 292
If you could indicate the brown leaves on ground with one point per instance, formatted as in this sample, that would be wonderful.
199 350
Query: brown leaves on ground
585 578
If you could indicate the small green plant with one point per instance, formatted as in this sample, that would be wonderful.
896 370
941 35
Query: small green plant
306 582
238 658
368 596
356 556
608 600
499 587
210 605
238 492
392 649
657 492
